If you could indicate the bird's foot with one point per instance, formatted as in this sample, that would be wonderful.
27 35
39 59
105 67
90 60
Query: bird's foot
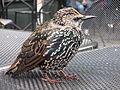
50 80
67 76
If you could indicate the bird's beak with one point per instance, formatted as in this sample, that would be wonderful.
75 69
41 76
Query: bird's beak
88 17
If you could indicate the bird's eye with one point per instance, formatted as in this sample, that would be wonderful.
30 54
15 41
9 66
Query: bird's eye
76 19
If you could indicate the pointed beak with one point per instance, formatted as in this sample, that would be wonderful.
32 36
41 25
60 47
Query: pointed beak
88 17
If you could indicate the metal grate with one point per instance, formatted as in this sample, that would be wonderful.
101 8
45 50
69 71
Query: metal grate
106 27
10 41
96 70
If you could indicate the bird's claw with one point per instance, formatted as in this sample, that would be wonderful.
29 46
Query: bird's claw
67 76
70 77
52 81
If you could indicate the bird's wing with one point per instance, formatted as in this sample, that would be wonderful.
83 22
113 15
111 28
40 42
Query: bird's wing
63 43
32 51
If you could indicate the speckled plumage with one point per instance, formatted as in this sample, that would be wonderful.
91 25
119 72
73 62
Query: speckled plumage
52 45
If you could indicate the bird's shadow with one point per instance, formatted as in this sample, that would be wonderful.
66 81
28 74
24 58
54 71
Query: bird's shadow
35 74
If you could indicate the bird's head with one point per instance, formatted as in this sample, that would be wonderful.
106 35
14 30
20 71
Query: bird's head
70 16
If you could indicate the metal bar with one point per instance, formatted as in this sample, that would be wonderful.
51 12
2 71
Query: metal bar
28 5
6 8
51 1
27 26
34 12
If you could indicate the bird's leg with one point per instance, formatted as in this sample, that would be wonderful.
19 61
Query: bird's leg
50 80
67 76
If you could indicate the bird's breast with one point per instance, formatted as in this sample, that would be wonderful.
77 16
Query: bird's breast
63 47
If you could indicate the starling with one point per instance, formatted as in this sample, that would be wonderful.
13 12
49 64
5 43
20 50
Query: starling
52 45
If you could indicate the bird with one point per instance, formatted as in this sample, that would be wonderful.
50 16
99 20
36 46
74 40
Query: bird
52 45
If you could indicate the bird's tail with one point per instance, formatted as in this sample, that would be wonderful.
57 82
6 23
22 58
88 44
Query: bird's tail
12 68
